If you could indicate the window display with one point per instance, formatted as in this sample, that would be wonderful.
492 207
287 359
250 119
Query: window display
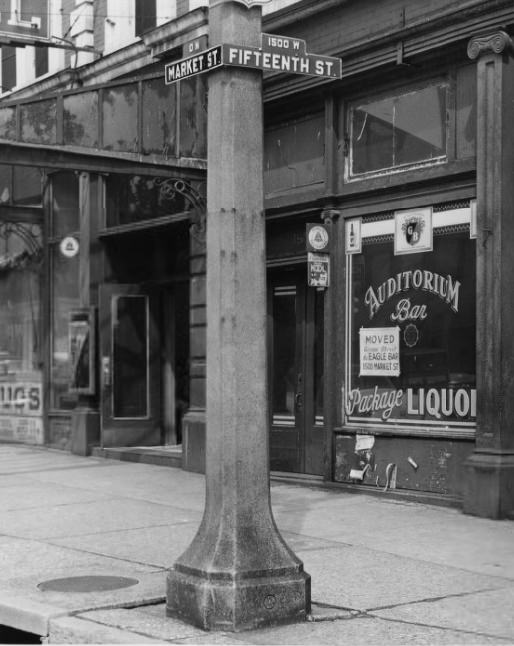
411 321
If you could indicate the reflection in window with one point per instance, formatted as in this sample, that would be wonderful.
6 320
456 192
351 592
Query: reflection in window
294 154
27 189
412 324
318 353
65 286
20 185
193 117
20 267
284 353
8 123
120 118
398 131
130 357
80 118
132 198
65 203
159 117
64 280
38 122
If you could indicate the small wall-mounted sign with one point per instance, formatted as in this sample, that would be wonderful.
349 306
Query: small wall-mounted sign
317 238
473 230
413 231
318 267
379 351
69 247
353 236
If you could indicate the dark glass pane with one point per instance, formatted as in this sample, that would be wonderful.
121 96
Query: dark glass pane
399 130
319 331
8 123
5 184
145 15
294 154
8 67
193 118
132 198
159 118
466 107
38 122
27 185
41 61
81 119
65 204
428 300
130 356
284 351
372 136
120 118
420 125
65 297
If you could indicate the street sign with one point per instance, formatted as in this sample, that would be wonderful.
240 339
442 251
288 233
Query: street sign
294 62
318 270
186 67
317 238
277 54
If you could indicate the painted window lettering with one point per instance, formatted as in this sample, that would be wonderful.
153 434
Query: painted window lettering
410 359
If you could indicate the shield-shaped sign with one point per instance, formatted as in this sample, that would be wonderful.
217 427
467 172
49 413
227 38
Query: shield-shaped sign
413 228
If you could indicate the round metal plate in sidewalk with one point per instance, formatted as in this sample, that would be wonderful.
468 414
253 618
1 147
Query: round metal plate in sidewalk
87 584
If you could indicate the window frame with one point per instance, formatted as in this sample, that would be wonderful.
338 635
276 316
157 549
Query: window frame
447 81
446 428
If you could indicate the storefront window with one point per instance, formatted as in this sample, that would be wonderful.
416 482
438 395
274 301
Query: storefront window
80 117
20 185
120 118
8 123
159 118
38 122
399 130
132 198
20 333
294 154
193 117
411 321
64 284
65 203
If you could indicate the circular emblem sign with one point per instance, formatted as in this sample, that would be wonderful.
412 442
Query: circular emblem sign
318 238
69 246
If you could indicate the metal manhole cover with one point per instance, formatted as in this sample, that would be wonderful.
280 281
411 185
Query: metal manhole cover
87 584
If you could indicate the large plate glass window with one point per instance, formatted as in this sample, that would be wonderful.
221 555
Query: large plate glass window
410 350
399 131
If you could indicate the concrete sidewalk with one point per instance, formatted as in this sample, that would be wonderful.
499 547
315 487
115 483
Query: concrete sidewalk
383 571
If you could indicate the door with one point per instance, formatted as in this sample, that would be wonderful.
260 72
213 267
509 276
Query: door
130 366
295 314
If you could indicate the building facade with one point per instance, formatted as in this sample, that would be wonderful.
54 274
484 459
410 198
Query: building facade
394 378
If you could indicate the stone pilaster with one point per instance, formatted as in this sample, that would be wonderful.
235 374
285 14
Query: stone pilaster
489 486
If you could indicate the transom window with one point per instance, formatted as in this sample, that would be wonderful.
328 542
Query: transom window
397 131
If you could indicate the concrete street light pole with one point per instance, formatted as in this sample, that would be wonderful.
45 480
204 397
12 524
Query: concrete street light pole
237 573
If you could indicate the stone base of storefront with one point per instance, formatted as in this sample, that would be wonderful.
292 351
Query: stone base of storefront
489 485
85 430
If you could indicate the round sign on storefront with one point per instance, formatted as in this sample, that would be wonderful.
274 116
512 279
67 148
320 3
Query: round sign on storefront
69 246
318 238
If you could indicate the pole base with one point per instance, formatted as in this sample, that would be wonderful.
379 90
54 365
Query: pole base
489 485
235 604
